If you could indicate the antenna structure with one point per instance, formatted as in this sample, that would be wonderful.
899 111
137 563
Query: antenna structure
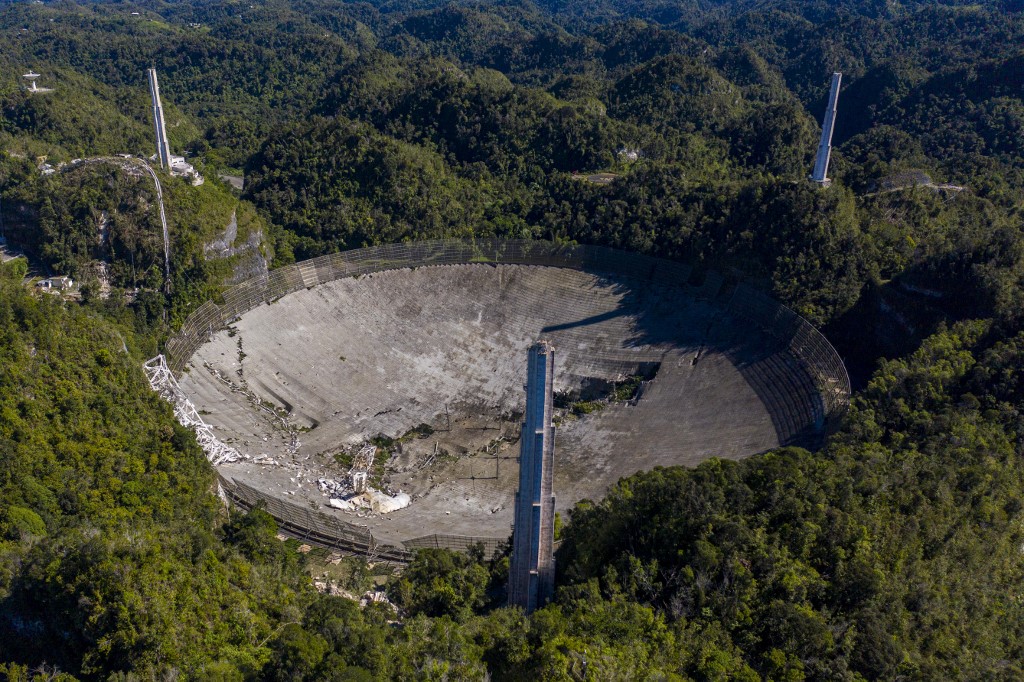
33 88
32 77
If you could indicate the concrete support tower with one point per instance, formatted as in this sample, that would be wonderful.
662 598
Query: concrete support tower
820 174
531 578
163 149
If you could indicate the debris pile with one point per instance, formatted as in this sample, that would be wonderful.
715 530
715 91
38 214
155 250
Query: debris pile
353 493
162 380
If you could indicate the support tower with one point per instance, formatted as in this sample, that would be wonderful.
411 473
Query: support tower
820 174
163 149
531 578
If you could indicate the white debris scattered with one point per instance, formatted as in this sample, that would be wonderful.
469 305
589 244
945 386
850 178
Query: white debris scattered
332 488
375 597
385 504
162 380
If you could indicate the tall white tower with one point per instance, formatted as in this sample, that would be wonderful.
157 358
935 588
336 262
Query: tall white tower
163 149
820 174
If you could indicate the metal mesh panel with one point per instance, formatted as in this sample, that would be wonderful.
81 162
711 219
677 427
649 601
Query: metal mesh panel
817 355
243 297
284 281
324 269
457 543
312 526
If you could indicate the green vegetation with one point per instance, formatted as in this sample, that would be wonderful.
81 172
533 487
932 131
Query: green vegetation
894 553
862 558
593 399
110 538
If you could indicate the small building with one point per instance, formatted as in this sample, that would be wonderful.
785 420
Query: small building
60 283
182 168
629 153
180 165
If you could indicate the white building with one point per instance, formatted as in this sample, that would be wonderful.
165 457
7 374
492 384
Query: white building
182 168
56 283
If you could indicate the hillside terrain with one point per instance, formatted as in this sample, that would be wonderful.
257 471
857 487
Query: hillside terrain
677 129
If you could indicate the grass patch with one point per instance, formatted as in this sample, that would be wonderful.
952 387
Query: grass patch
587 407
596 398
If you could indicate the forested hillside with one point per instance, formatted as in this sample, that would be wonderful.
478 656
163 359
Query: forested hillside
892 553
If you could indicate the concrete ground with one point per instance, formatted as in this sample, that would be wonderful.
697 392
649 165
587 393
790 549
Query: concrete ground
321 371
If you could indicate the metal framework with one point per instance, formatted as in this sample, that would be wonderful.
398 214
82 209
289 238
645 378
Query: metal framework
162 380
361 465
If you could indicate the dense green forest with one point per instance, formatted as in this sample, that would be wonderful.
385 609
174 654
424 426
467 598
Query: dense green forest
894 552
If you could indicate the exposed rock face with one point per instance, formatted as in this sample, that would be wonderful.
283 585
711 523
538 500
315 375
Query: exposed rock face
247 259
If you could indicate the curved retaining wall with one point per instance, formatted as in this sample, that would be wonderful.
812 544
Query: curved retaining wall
317 528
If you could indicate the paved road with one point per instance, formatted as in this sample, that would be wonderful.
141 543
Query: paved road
123 162
163 221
